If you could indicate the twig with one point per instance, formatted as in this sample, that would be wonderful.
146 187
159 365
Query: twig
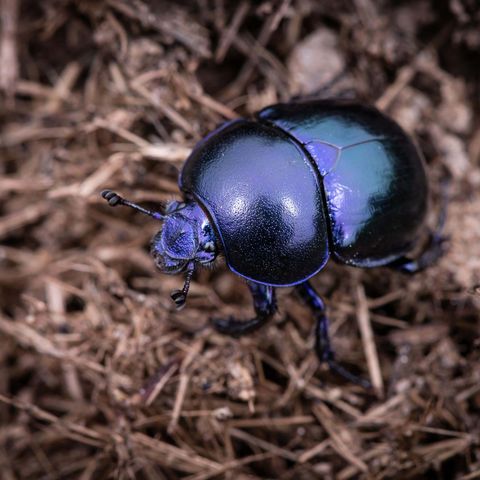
341 438
8 46
22 218
363 317
229 33
188 33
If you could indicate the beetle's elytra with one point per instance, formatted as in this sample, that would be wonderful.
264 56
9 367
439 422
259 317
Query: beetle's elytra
280 194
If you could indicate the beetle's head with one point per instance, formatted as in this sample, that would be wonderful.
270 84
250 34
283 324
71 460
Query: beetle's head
185 239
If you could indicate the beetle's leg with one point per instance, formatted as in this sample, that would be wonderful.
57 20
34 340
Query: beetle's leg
265 306
435 247
322 341
434 250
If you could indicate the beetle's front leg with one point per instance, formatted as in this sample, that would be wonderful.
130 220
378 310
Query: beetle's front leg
265 306
322 340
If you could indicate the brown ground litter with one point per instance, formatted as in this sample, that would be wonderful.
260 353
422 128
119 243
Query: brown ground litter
99 376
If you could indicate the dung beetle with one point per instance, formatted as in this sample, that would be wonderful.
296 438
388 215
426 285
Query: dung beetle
280 194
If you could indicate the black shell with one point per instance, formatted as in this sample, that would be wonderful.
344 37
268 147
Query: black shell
307 180
264 197
373 175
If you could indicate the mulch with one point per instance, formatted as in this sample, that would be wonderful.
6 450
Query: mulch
100 377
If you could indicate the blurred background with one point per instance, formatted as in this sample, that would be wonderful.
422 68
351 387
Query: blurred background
99 376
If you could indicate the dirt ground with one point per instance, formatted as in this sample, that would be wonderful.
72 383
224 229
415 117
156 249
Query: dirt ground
100 377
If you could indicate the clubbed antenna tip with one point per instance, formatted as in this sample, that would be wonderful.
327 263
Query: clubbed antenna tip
179 299
180 296
112 198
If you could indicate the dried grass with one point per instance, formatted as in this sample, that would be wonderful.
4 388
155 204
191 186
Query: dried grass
99 376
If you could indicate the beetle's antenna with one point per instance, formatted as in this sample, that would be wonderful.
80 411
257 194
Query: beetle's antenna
114 199
180 296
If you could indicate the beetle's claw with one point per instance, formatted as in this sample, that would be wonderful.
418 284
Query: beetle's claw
351 377
112 198
179 298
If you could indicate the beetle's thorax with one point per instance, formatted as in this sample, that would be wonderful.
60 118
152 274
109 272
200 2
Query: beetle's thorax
185 237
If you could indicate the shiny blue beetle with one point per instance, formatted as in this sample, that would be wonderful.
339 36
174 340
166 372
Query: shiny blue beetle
282 193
